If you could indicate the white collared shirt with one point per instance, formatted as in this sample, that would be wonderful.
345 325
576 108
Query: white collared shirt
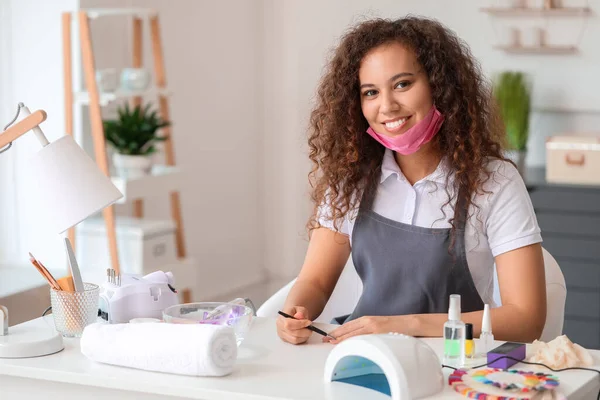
505 220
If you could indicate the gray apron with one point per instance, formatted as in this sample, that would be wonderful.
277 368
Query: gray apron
407 269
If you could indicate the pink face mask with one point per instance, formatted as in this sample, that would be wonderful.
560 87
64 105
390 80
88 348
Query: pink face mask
412 140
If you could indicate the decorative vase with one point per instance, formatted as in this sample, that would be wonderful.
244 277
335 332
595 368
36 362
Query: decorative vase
518 157
132 167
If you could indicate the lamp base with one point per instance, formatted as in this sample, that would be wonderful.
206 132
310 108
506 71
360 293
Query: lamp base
31 339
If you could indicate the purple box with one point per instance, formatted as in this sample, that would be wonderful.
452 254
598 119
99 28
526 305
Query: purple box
510 349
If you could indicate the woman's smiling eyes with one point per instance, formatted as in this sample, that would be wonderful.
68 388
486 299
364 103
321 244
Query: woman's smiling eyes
402 84
399 85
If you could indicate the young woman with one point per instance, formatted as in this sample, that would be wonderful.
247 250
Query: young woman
410 179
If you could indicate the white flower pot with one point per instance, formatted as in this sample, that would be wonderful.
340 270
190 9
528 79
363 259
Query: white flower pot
131 167
133 79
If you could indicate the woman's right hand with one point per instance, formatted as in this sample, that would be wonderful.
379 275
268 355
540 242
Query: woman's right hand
294 330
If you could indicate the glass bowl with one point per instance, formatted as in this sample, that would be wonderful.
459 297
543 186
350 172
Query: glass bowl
239 317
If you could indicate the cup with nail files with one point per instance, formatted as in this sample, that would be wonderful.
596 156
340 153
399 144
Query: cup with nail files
74 310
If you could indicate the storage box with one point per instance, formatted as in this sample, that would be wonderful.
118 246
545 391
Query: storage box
143 245
573 160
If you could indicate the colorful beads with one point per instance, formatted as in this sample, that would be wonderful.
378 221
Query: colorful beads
532 381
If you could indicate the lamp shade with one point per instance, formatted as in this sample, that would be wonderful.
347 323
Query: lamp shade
69 183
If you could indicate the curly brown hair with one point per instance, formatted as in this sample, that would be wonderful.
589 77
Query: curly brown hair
347 161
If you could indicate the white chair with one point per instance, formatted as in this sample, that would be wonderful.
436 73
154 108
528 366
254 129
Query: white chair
342 301
349 288
556 296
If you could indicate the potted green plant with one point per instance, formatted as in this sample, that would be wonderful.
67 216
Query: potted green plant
133 135
513 94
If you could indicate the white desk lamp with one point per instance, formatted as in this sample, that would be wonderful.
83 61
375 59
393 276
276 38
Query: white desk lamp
72 188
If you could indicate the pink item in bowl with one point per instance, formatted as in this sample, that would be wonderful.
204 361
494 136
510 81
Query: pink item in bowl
239 317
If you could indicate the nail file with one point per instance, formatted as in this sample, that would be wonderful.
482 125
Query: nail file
74 267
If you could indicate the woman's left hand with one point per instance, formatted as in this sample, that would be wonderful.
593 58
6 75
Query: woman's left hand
372 324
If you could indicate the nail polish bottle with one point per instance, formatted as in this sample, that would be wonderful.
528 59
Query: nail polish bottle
486 339
469 342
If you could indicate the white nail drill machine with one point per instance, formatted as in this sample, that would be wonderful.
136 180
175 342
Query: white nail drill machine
125 297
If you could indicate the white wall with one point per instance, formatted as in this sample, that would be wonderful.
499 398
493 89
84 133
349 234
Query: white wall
34 64
213 57
213 61
31 72
298 36
284 157
6 160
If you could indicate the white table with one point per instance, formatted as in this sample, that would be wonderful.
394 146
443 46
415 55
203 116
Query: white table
267 368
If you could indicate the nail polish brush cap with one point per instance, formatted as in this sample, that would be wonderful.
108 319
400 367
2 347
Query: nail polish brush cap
486 324
468 331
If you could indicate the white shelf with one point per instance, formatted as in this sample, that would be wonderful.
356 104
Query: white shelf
110 12
538 49
547 12
162 181
107 98
565 110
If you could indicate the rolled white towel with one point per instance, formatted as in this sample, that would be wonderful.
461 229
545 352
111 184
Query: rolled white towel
186 349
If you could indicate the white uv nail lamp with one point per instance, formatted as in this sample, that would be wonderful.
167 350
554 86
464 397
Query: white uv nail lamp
399 366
